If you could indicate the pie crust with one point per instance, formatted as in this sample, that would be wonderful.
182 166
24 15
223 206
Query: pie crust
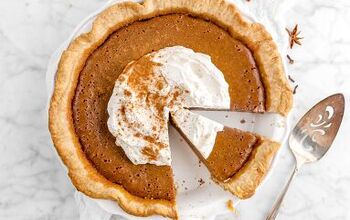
244 183
82 173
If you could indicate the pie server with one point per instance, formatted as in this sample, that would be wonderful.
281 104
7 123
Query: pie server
312 137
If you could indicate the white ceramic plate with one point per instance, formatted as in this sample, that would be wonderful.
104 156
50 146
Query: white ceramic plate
195 200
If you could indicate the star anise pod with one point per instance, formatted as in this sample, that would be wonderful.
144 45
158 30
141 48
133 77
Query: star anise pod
294 36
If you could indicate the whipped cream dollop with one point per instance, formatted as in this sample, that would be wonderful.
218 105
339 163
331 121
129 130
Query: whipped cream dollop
150 88
195 73
199 130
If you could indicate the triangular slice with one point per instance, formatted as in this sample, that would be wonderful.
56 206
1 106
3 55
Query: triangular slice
237 160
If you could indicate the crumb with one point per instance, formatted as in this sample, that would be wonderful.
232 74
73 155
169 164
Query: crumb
242 121
181 140
229 205
183 181
295 89
290 60
200 163
186 188
226 116
291 79
201 181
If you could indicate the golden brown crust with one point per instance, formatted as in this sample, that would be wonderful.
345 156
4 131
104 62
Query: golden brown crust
244 183
83 175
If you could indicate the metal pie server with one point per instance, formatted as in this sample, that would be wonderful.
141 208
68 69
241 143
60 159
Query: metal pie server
312 137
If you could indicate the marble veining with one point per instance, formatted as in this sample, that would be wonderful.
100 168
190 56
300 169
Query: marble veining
33 184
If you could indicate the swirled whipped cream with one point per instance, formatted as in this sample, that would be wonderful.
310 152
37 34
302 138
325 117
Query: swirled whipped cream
150 88
195 73
198 130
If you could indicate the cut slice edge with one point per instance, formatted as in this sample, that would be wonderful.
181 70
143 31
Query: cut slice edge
240 179
245 182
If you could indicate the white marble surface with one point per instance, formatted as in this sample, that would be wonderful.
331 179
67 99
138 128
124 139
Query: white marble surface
33 184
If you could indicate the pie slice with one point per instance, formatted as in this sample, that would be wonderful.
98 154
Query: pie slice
237 160
244 52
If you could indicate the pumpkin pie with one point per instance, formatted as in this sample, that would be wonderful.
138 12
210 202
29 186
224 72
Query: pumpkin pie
95 130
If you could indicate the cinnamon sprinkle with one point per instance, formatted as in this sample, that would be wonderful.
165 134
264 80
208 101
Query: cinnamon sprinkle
141 76
150 152
154 141
138 134
122 110
127 93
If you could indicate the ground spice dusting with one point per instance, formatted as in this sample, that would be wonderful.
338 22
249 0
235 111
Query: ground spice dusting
150 152
147 85
141 72
153 140
175 98
137 134
122 110
127 93
159 85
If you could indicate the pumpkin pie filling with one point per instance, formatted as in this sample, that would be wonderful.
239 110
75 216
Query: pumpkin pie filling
131 42
231 150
